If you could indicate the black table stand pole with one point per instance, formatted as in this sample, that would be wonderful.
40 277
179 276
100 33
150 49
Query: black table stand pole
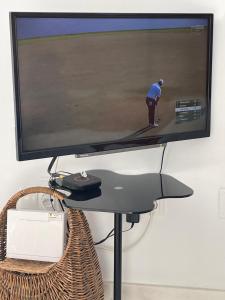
117 255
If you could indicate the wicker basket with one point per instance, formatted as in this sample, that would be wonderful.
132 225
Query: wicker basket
77 276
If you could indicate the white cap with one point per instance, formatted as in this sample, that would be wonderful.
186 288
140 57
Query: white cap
161 81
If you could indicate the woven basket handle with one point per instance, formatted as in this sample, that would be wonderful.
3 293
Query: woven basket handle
33 190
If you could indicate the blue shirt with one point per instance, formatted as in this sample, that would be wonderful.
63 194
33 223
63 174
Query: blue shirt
154 91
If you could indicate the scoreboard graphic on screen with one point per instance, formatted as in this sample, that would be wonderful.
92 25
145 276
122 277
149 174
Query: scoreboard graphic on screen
188 110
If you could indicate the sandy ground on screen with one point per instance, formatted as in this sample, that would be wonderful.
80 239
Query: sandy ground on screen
92 87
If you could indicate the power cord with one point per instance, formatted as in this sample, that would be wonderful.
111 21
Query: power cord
111 234
51 165
128 247
125 248
162 159
52 176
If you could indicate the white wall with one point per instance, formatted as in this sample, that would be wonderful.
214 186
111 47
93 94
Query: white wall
185 243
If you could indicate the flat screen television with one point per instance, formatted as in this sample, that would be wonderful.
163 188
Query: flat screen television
91 82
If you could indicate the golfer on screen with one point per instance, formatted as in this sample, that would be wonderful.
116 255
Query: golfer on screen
152 99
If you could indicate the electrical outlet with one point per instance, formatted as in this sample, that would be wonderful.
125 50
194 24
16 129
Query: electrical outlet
221 203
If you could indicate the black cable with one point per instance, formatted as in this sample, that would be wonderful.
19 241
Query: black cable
131 226
51 165
110 234
52 176
61 205
160 172
53 187
51 201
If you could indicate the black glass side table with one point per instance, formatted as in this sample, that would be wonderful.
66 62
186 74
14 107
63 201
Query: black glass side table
126 194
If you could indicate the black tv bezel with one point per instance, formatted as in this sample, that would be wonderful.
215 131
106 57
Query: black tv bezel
86 149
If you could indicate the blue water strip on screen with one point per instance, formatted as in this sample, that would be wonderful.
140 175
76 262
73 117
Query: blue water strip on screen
42 27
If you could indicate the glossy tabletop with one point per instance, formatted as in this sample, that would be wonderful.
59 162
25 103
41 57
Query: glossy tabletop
127 193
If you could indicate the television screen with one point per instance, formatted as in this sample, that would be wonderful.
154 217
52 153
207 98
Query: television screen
86 83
